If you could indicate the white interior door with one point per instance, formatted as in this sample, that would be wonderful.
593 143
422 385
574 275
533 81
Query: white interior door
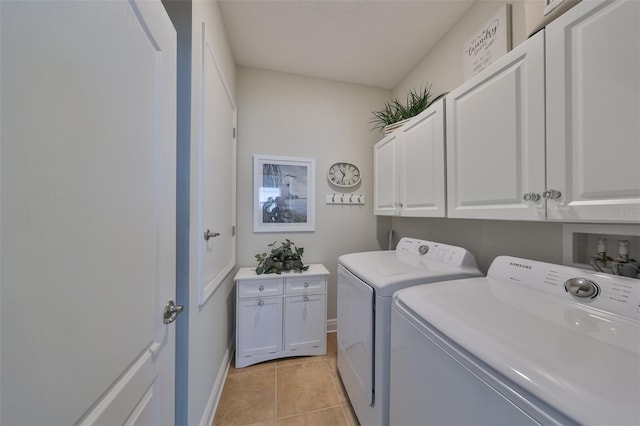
217 177
87 228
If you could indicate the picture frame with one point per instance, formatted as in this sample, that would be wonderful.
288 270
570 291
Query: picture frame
283 194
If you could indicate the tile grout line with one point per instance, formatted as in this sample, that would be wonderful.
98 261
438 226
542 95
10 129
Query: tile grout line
317 410
335 389
275 394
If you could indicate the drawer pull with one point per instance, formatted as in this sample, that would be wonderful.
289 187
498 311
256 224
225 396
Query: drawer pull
306 299
261 288
260 303
306 284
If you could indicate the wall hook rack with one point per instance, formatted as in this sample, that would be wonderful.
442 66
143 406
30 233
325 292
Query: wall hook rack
340 198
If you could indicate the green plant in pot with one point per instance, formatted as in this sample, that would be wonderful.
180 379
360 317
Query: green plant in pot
394 111
284 256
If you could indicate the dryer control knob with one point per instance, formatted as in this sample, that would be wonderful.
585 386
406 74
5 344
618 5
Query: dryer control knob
423 249
581 287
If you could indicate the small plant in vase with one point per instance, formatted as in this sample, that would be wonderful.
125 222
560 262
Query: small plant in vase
284 256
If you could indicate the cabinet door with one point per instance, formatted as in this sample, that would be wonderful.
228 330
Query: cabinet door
421 164
495 139
385 186
259 326
305 322
593 98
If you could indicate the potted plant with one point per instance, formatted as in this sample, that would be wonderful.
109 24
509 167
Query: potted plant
284 256
395 113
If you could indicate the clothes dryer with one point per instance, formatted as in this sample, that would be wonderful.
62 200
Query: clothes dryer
366 282
530 343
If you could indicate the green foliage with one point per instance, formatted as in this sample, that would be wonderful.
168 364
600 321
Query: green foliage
394 111
284 256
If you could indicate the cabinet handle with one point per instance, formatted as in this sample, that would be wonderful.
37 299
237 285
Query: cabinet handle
306 299
531 197
260 303
552 194
261 288
306 284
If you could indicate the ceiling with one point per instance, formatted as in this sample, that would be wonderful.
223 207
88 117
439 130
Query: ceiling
371 42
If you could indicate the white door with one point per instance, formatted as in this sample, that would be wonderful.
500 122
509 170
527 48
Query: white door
216 178
259 326
87 226
385 186
304 322
495 139
593 112
421 169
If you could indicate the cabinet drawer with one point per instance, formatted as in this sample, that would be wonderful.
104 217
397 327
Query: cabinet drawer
260 288
305 285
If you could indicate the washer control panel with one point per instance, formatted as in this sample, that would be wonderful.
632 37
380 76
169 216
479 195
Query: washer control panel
443 253
611 293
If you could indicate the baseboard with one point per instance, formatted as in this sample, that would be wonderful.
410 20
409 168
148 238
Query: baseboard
332 325
216 392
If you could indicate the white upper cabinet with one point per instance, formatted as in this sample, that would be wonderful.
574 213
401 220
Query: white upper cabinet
410 167
593 112
495 139
385 187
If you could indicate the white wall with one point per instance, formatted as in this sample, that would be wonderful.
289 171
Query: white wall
443 67
289 115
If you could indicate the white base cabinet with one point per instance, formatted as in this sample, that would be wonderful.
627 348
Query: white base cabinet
280 315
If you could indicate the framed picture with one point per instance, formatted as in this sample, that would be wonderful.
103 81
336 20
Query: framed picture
283 194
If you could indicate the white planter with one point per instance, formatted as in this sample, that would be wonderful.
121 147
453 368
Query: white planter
393 126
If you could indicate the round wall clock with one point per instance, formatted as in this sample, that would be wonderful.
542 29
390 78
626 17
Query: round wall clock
344 175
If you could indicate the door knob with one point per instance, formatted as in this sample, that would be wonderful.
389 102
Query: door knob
171 311
208 234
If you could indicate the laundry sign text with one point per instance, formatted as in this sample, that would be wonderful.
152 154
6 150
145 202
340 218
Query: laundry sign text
489 43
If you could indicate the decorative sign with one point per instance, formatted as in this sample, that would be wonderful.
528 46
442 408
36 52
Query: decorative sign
488 44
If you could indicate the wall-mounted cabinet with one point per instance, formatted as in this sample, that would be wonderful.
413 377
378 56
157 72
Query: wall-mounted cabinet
495 139
513 154
410 167
593 111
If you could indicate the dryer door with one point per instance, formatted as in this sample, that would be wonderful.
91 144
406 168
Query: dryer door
355 336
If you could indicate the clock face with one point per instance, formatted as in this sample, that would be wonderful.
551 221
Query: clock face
344 175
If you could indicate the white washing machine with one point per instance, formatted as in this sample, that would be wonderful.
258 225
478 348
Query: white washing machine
366 282
530 343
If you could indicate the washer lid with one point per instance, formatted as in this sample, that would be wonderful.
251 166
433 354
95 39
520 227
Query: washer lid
581 360
389 271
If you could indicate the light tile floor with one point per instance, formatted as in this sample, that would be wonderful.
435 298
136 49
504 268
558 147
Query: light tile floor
291 391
